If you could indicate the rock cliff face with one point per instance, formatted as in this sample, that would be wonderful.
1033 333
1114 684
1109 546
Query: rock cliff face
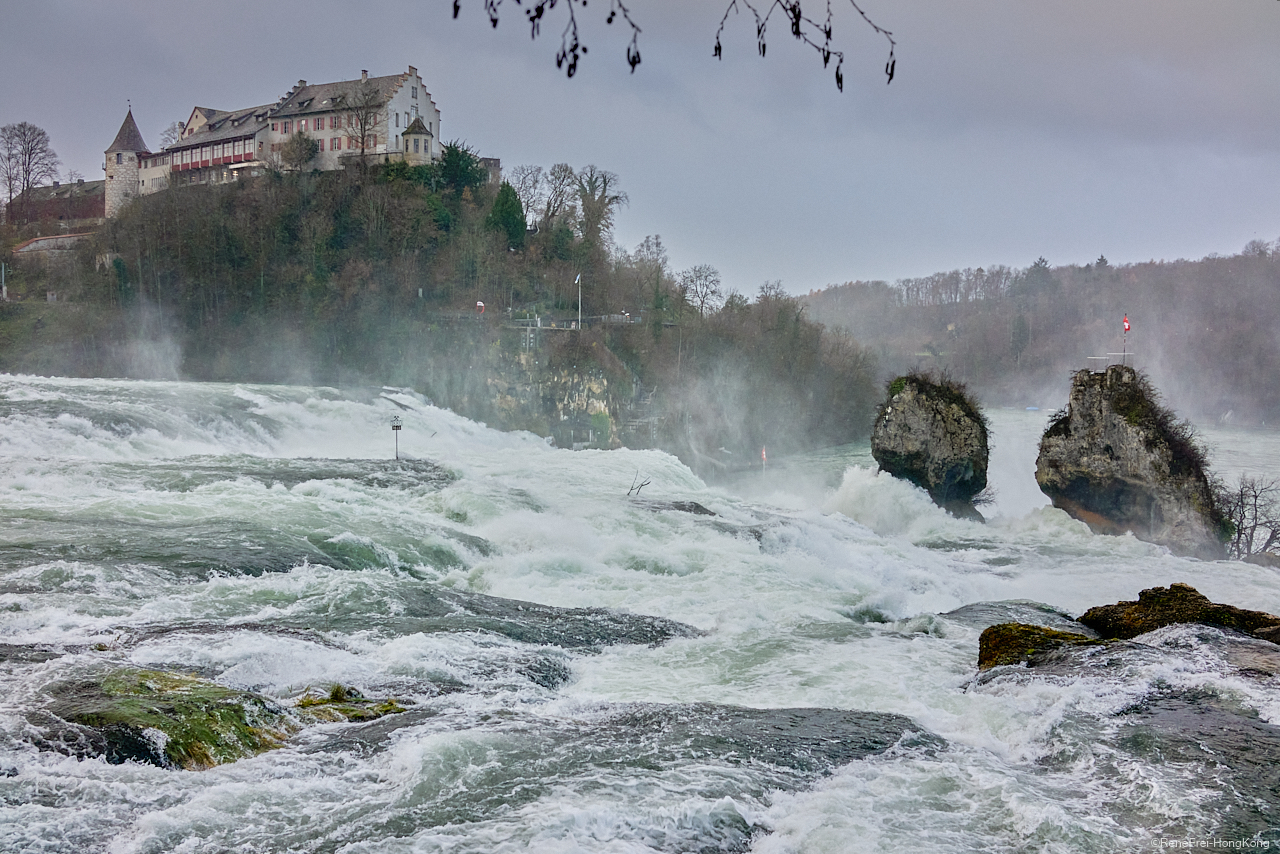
930 433
1118 461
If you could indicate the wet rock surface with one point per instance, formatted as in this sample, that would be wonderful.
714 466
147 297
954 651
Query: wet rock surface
1013 643
160 718
1157 607
1042 631
930 433
1119 461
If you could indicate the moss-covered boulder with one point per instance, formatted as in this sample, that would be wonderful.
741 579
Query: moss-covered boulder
1014 643
1118 460
343 703
1177 603
169 719
930 432
179 721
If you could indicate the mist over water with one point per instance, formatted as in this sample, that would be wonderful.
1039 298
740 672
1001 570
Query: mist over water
265 537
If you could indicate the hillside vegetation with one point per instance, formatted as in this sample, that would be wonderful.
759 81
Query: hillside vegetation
1207 331
375 275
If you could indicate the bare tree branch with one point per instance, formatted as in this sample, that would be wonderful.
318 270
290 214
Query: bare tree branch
818 34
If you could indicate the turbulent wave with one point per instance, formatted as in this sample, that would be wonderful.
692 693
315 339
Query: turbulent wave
588 670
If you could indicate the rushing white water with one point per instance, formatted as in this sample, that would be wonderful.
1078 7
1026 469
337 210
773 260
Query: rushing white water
262 536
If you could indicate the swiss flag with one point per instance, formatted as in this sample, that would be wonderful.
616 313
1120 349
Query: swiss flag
1126 323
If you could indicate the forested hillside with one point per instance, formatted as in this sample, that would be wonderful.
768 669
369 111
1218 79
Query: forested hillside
1208 331
377 275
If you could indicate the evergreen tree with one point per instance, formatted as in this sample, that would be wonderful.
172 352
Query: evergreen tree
507 216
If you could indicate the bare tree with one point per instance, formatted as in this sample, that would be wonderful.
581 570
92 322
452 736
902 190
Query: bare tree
1253 508
26 161
557 199
598 199
365 117
171 134
528 183
700 285
818 31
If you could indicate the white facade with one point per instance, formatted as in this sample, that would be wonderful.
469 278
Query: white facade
217 145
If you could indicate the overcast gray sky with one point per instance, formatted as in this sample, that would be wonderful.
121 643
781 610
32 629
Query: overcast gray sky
1013 129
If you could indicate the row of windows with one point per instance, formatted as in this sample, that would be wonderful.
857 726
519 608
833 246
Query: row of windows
316 124
335 143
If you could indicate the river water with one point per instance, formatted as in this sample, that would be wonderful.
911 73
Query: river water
264 537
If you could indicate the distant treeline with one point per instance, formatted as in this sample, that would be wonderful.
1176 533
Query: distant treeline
1207 331
374 275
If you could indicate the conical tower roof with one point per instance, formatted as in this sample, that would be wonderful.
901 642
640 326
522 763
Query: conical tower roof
417 127
129 138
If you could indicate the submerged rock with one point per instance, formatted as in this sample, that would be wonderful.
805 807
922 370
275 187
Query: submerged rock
929 431
1178 603
1014 643
343 704
1119 461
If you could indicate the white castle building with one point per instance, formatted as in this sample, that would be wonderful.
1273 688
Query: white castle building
371 117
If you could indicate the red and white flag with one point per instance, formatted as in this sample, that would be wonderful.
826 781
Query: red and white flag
763 457
1126 323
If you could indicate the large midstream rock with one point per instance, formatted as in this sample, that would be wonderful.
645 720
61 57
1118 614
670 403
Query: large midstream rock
1118 461
930 433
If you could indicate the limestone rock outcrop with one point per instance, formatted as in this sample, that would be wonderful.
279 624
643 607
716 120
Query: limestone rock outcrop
929 432
1116 459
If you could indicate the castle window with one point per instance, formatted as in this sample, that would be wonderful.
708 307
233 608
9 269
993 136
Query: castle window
302 124
335 144
287 126
273 126
415 145
415 91
397 120
119 158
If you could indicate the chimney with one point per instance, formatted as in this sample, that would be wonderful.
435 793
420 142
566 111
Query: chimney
364 76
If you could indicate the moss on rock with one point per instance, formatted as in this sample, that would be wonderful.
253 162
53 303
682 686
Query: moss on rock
1013 643
173 720
929 431
343 703
1178 603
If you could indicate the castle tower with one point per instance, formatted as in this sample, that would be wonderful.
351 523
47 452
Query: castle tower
417 143
121 166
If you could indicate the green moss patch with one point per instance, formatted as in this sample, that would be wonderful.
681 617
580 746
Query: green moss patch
1178 603
187 722
1014 643
344 704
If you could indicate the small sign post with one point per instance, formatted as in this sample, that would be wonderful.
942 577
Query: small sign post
395 428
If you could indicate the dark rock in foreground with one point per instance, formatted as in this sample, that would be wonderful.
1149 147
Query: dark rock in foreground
1119 461
929 432
1177 603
